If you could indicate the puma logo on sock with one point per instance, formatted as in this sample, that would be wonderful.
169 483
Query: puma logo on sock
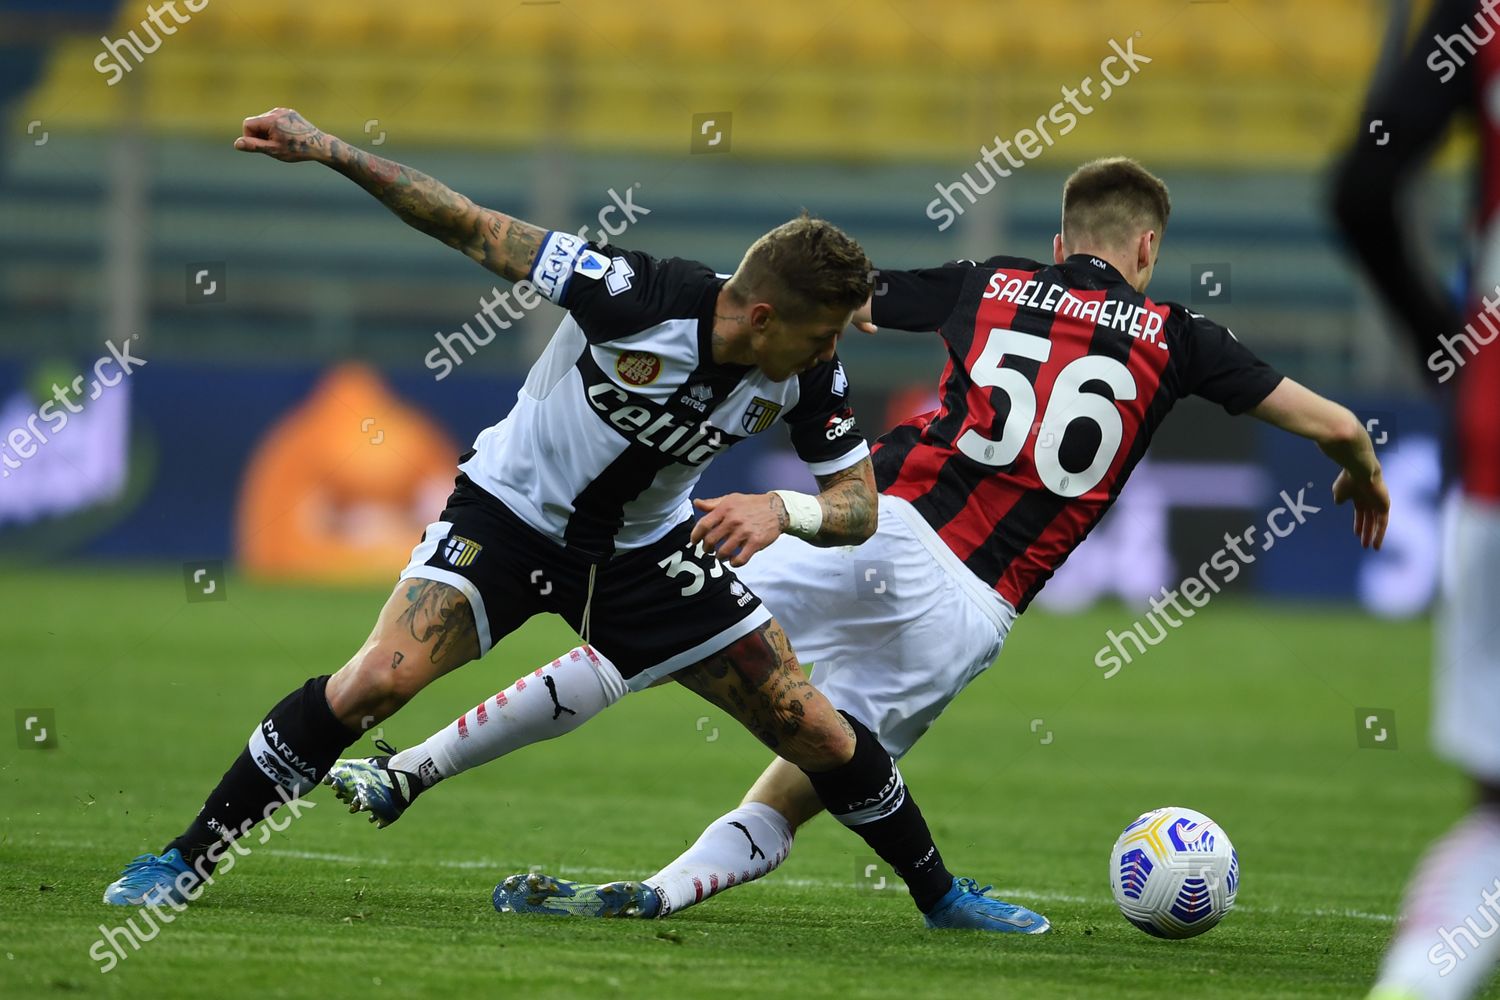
559 708
754 848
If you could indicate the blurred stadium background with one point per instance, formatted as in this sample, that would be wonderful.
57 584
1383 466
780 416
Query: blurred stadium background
290 403
289 428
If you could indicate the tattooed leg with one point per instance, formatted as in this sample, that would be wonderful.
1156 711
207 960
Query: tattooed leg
438 617
425 630
759 681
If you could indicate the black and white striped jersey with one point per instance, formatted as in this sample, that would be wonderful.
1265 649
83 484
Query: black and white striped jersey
626 406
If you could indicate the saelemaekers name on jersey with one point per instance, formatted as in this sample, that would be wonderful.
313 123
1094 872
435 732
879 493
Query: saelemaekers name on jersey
1127 317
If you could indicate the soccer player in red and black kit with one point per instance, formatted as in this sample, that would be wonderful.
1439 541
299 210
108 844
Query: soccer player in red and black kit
577 503
1057 376
1445 945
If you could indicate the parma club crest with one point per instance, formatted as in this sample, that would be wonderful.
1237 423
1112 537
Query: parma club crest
759 415
460 551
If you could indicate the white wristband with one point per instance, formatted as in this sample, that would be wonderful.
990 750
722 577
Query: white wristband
804 513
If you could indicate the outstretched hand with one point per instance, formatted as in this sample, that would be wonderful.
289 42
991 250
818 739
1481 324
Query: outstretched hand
1372 506
283 134
738 525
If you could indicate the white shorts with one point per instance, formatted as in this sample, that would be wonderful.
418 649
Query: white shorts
1466 679
896 627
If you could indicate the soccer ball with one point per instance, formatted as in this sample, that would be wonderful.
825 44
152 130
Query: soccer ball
1174 873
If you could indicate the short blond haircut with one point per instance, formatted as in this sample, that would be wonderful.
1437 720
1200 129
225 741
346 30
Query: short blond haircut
803 266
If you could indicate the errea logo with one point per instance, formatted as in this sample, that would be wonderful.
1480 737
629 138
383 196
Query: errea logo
697 397
741 593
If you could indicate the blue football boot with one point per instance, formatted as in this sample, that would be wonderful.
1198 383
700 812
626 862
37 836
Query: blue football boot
150 880
966 907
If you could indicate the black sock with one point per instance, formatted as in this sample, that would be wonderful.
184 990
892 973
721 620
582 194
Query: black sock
287 756
868 796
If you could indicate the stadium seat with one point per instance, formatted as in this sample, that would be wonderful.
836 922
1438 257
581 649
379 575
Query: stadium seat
928 76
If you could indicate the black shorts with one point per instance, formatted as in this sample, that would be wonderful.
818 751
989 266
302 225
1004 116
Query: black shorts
653 610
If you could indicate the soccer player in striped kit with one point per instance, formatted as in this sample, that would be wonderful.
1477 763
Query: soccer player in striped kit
577 503
1057 376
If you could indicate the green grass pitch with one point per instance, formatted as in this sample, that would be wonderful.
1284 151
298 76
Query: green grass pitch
1246 713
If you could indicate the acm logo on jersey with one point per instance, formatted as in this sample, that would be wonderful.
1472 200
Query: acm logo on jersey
759 415
460 551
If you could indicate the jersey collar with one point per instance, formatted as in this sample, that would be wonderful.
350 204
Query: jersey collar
1102 270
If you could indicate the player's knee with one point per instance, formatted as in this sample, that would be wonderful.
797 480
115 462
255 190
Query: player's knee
812 734
819 743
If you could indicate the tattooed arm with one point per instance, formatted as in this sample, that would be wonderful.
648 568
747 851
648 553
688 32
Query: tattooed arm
741 524
848 501
501 243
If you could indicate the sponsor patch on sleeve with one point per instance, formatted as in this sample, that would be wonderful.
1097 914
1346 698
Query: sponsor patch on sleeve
554 264
591 264
839 424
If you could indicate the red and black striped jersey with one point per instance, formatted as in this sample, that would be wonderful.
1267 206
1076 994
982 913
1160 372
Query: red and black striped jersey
1057 377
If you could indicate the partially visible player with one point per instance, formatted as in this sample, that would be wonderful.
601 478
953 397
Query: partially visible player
1058 375
577 504
1452 69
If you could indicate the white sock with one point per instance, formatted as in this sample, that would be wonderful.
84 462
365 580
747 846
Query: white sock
1447 942
738 847
548 702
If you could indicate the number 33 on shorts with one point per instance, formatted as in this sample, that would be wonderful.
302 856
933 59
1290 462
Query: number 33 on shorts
677 565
